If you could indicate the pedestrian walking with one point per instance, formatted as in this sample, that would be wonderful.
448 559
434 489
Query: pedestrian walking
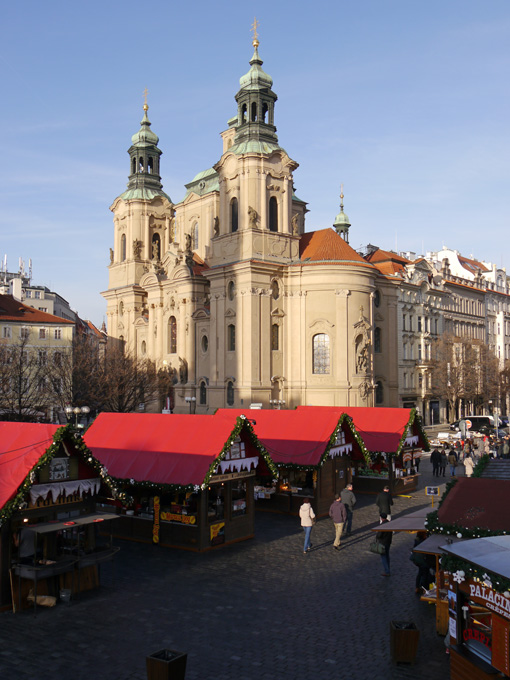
385 538
435 459
468 465
384 501
338 514
422 561
349 500
307 516
443 463
452 460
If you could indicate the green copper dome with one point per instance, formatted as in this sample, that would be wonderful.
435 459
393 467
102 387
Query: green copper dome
145 136
256 78
341 220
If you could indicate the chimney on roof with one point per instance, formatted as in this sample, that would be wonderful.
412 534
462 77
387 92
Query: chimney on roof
15 289
371 249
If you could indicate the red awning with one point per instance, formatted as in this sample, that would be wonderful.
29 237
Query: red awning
21 447
163 449
380 428
477 502
291 438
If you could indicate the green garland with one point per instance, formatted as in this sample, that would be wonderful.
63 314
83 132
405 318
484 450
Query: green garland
481 465
62 435
453 564
348 420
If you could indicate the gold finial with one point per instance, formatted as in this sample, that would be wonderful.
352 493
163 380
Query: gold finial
254 27
341 197
145 105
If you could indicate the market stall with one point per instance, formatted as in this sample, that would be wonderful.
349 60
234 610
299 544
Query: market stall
49 482
479 608
185 480
314 457
394 439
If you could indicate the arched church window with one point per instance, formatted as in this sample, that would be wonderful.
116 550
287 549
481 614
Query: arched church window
234 215
379 392
144 348
275 337
264 113
275 290
203 393
140 165
172 335
377 339
231 338
156 247
133 166
273 214
230 393
243 113
231 289
195 236
121 308
253 112
150 168
123 247
320 358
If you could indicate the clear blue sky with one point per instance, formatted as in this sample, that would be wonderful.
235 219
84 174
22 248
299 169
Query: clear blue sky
405 102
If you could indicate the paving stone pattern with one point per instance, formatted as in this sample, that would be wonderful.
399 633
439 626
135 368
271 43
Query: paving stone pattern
258 610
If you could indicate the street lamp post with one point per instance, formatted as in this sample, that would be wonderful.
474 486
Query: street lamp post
77 411
277 403
192 403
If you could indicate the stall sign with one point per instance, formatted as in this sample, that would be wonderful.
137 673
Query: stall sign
491 599
431 491
501 644
155 526
217 533
59 469
232 475
477 635
174 517
61 500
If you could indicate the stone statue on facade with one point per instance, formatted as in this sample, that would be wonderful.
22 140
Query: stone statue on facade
183 371
111 255
137 249
295 224
252 217
216 227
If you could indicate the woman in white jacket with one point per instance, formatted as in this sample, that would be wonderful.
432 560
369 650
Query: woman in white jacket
468 465
307 516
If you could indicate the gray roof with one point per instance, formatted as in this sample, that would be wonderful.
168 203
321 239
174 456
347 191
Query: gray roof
491 553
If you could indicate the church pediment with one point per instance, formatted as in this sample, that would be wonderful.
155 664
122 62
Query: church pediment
278 312
230 313
141 322
201 315
149 279
321 323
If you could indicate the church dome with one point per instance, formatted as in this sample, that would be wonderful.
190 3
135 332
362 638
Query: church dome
145 136
341 220
256 78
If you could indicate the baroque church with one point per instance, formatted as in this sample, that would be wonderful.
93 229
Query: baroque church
226 289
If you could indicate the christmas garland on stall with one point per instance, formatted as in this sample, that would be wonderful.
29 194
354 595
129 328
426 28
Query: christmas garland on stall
463 571
481 465
357 437
61 436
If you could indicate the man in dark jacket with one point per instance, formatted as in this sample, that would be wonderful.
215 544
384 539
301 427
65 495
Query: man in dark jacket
385 538
384 501
435 459
338 514
349 500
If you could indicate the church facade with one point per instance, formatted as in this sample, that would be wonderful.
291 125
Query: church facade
227 290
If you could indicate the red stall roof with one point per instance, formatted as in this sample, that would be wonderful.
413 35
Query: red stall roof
477 502
158 448
290 438
22 445
380 428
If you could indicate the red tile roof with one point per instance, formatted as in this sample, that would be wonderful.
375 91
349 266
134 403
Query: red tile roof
472 266
325 245
14 310
386 256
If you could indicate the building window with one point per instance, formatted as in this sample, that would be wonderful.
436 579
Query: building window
7 332
320 358
231 289
203 393
42 357
379 392
24 333
57 359
121 309
377 298
275 337
28 293
230 393
37 294
234 215
58 334
419 324
273 214
404 317
42 309
205 343
144 347
231 337
195 236
419 352
123 247
405 351
42 333
172 335
275 290
377 340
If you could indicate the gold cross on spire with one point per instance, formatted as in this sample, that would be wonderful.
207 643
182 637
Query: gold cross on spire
254 27
145 105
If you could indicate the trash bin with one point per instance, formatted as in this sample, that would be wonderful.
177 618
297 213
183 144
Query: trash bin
166 665
404 638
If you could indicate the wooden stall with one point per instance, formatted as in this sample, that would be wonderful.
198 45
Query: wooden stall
186 480
394 439
314 457
479 608
49 537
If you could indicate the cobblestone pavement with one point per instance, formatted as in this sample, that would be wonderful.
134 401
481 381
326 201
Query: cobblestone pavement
257 610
